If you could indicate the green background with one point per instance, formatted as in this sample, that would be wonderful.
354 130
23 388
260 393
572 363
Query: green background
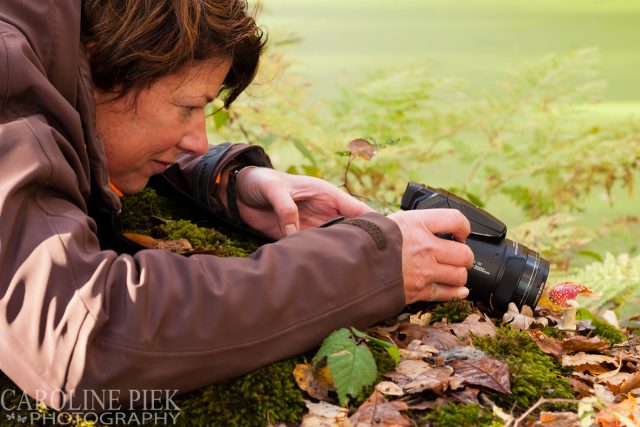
477 40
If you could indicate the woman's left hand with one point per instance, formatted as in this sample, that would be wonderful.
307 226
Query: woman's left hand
278 204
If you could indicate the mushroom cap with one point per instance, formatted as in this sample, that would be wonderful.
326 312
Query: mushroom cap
561 293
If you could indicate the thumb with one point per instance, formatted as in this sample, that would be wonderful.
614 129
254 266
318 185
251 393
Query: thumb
285 209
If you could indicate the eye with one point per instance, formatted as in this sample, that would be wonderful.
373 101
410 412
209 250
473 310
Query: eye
192 109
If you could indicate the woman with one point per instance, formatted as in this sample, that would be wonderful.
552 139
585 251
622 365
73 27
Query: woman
89 111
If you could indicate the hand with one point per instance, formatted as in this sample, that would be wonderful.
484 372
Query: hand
278 204
434 269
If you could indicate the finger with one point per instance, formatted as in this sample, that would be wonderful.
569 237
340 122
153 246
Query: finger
349 206
285 209
441 292
454 253
449 221
447 275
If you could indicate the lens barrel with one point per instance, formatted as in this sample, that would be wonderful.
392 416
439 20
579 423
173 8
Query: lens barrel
505 271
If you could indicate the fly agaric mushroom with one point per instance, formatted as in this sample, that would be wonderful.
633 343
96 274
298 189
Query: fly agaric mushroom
562 297
557 297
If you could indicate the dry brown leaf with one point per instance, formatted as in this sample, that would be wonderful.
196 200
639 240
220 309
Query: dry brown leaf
474 324
547 344
379 412
435 336
632 382
579 387
558 419
316 384
420 318
324 414
434 379
362 148
589 362
421 404
629 408
521 319
389 388
580 343
604 394
414 376
486 372
177 246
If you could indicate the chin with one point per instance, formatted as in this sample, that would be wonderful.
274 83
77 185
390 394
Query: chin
132 186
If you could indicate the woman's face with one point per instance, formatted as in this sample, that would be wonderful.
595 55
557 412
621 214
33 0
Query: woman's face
168 119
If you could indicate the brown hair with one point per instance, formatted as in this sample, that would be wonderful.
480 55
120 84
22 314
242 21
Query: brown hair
135 42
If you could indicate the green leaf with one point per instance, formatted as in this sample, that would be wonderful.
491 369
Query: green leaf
352 365
352 369
390 347
220 118
337 341
596 256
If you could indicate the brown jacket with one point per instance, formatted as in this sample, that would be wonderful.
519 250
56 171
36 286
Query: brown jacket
74 317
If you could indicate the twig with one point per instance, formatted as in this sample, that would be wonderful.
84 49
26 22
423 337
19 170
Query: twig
539 403
346 175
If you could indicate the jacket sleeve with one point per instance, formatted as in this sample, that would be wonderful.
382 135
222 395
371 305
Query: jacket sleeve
196 175
74 318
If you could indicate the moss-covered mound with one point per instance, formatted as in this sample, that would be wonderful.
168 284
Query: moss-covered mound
533 374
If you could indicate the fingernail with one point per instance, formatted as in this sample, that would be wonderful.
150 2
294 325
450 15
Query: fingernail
463 292
290 229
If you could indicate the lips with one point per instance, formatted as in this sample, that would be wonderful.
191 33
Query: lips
160 166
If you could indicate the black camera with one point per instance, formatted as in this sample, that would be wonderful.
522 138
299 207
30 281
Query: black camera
503 271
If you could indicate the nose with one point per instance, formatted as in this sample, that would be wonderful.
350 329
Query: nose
194 141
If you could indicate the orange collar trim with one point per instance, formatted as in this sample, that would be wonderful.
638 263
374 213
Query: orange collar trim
116 190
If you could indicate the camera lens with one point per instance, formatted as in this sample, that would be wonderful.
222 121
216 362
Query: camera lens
500 265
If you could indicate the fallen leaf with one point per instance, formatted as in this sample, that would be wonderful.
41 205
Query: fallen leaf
435 336
474 324
324 414
558 419
416 350
415 376
389 388
589 362
316 383
421 403
628 408
177 246
416 345
580 343
631 383
547 344
379 412
579 387
521 319
362 148
486 372
420 318
604 394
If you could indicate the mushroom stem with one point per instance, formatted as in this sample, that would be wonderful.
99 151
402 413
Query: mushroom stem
568 319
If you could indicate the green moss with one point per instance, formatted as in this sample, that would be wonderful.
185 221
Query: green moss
455 310
141 214
267 394
533 374
602 329
553 332
207 238
455 415
138 211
